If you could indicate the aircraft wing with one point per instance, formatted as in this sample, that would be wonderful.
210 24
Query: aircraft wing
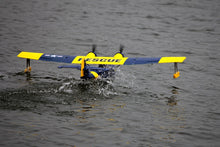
46 57
99 60
147 60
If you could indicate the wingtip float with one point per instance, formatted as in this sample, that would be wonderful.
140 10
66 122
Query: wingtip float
106 65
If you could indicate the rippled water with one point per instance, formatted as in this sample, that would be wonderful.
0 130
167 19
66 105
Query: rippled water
143 106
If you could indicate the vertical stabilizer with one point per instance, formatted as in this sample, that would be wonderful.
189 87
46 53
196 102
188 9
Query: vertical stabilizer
82 67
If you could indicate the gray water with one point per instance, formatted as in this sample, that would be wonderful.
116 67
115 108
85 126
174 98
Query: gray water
143 106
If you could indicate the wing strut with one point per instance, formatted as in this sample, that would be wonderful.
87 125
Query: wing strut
28 66
176 71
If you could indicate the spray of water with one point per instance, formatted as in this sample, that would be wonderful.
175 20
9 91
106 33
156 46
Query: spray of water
125 80
102 87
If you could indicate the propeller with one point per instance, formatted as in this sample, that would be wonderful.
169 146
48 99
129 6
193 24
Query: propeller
121 48
94 48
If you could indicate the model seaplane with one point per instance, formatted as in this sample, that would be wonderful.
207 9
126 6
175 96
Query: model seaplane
105 66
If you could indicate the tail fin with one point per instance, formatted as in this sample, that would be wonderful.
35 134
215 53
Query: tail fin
82 67
86 73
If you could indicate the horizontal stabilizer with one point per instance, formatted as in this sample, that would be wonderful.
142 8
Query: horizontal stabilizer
70 66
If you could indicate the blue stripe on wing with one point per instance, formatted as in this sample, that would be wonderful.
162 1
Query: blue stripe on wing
57 58
132 61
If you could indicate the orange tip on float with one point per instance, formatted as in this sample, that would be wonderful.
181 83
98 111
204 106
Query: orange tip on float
176 75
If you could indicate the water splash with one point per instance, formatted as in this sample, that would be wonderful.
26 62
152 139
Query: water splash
101 87
124 80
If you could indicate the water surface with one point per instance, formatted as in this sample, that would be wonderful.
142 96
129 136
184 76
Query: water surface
143 106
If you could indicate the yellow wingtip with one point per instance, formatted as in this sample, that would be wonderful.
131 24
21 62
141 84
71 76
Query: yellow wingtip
30 55
171 59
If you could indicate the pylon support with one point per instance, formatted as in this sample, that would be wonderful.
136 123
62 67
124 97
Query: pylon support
28 66
176 71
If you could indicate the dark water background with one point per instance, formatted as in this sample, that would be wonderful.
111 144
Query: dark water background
144 106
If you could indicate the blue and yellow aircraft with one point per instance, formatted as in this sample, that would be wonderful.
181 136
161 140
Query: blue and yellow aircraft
106 65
